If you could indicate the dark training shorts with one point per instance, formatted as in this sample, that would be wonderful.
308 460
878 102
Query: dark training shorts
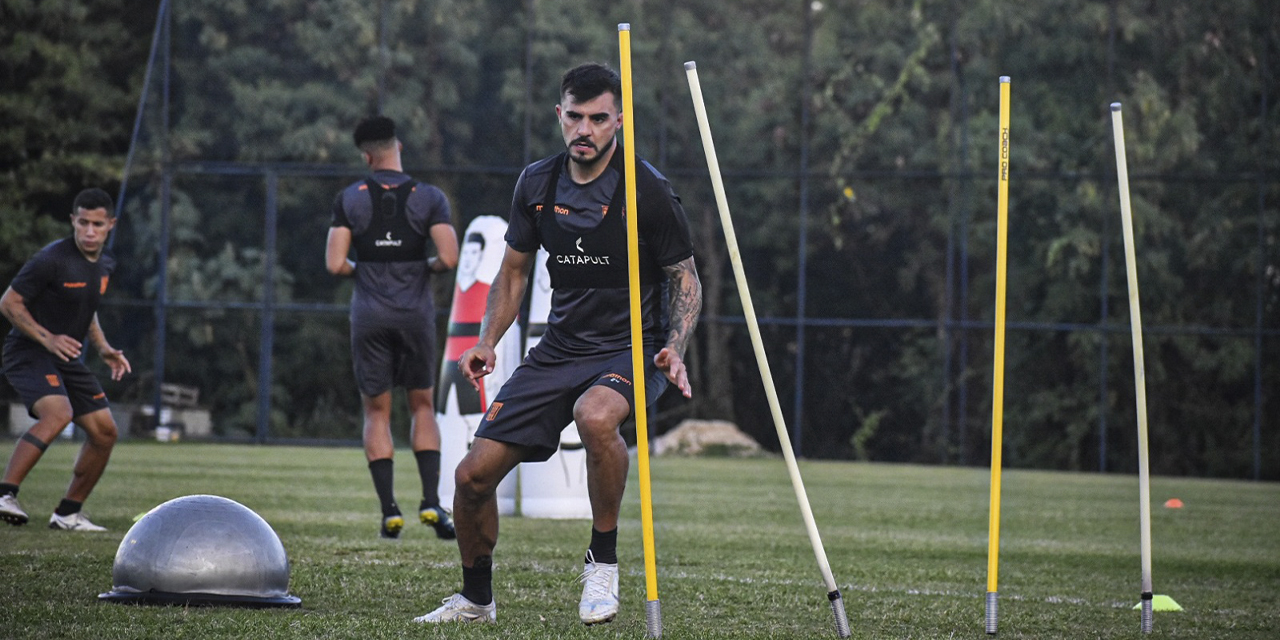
36 373
536 402
384 358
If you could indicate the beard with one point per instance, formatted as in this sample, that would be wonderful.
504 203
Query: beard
584 161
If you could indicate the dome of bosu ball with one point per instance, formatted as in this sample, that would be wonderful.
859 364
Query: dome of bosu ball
201 550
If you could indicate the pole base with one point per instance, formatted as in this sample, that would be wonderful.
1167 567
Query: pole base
992 613
653 618
837 608
1148 619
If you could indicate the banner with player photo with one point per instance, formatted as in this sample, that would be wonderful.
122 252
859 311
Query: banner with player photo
459 406
557 487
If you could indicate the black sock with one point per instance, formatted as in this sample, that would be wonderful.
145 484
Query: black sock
7 489
477 581
429 471
604 546
68 507
383 472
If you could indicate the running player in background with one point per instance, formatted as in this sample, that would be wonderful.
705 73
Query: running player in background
390 219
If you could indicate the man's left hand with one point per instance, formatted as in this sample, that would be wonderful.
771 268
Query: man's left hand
672 364
118 363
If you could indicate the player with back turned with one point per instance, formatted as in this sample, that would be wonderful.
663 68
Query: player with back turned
391 220
573 205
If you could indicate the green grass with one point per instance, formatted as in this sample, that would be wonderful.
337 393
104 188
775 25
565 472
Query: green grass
908 545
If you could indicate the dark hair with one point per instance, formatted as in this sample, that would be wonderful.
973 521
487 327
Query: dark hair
93 198
475 237
374 129
586 81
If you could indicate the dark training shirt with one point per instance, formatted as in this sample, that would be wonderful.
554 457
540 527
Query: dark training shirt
391 294
62 288
592 320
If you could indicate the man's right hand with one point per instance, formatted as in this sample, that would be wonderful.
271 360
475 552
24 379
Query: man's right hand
477 362
65 347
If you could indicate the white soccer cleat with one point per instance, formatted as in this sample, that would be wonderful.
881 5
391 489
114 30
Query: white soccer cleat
11 511
599 591
74 522
459 609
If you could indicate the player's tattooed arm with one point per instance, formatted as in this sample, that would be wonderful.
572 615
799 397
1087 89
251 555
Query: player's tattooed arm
686 303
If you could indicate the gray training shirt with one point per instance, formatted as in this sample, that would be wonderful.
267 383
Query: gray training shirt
391 294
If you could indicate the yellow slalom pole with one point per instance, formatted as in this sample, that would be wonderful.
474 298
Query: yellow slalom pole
652 608
997 400
1139 375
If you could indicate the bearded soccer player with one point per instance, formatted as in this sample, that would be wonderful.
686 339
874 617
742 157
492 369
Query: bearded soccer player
572 204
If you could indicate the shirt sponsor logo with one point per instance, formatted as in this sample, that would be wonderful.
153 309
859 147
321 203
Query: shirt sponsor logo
571 259
581 260
387 242
53 380
493 411
75 285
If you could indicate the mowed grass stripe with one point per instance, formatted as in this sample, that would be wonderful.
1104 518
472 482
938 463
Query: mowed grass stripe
907 544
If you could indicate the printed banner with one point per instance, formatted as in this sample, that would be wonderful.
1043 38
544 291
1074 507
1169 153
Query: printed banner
459 406
556 488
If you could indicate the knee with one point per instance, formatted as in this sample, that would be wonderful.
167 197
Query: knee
596 425
53 420
422 400
472 483
102 433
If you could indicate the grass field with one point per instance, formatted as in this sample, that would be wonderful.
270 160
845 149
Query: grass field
907 544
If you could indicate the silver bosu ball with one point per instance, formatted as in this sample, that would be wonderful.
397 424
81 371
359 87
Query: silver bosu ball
201 550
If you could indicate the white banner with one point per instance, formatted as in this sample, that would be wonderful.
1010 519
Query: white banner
556 488
459 406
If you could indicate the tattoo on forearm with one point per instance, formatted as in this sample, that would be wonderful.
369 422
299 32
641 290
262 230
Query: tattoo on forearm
686 302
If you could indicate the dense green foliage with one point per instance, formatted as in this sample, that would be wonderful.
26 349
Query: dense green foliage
71 73
907 545
901 104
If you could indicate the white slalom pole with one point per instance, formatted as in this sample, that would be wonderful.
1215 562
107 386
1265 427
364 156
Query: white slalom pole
713 165
1139 375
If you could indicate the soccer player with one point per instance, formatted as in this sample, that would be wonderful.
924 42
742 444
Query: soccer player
390 218
53 306
573 205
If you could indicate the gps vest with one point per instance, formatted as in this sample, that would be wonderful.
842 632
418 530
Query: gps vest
390 237
595 259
